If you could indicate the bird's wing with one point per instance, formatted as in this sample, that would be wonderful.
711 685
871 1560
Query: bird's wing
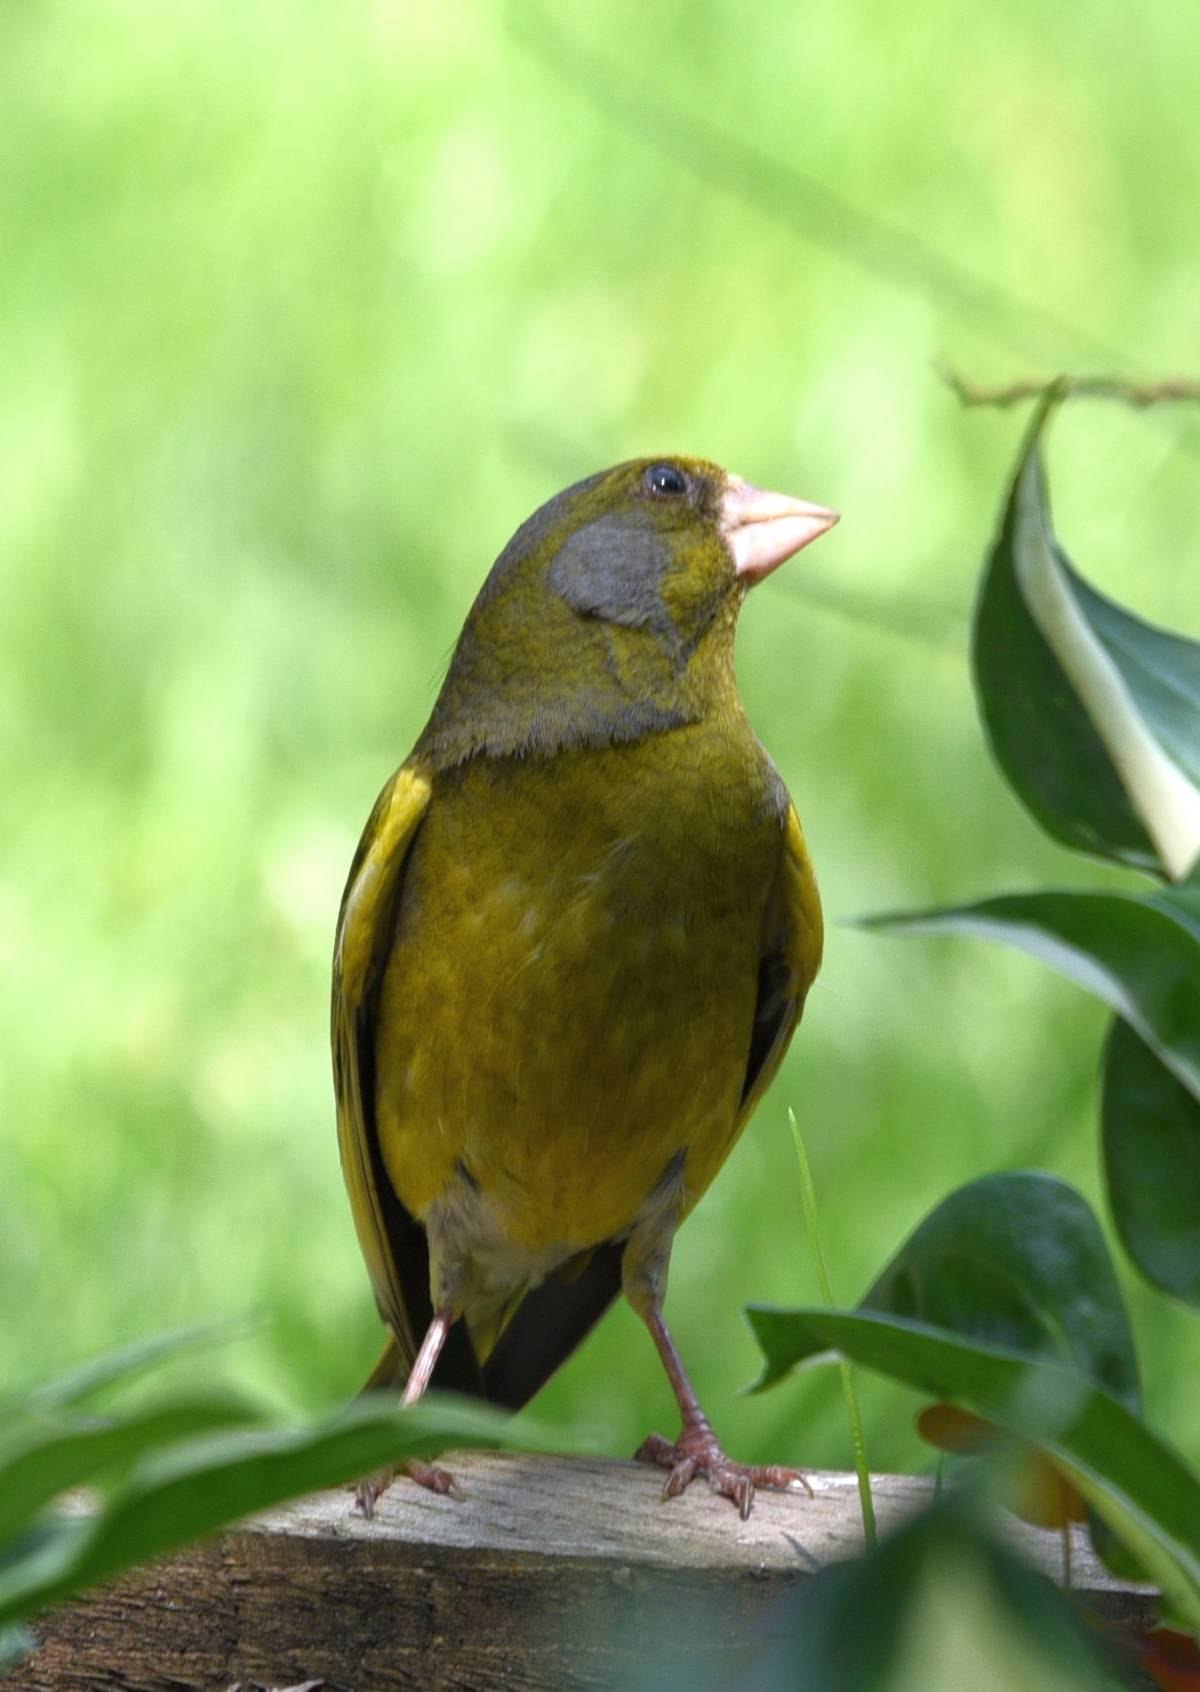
393 1243
386 1232
788 962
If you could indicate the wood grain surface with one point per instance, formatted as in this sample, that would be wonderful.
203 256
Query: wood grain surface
552 1574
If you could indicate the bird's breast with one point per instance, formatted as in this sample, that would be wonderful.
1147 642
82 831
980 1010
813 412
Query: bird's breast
568 999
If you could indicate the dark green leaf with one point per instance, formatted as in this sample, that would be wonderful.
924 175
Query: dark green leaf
1092 714
1161 670
1142 1488
1017 1260
1140 956
1182 904
1151 1135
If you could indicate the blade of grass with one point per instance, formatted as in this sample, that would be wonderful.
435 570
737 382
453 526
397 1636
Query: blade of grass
808 1196
119 1365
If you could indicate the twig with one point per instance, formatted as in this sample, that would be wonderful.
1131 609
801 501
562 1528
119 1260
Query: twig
1172 390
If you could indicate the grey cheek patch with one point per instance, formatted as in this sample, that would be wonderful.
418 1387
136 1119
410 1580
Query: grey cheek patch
614 569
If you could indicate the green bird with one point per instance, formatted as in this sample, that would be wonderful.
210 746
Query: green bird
573 947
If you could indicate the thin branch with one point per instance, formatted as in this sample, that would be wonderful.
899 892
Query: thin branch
1173 390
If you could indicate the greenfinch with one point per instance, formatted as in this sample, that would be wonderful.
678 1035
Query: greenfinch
575 942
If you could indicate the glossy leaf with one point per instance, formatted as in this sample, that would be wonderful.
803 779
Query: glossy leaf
1017 1259
1151 1136
1141 956
1138 1483
1092 714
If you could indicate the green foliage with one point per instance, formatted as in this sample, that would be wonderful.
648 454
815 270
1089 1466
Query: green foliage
1091 712
1141 956
1142 1488
15 1643
57 1452
1017 1260
1004 1299
1095 719
941 1602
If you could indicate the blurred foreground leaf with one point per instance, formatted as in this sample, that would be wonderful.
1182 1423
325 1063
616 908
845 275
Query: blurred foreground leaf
1142 1488
1092 714
179 1493
938 1605
51 1454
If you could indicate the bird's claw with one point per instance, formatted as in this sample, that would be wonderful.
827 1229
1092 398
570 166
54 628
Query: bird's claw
368 1492
698 1452
434 1479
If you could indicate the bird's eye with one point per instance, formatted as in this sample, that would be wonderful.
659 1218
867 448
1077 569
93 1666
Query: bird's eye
665 479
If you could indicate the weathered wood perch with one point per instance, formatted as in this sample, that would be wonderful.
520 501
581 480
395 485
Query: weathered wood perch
553 1573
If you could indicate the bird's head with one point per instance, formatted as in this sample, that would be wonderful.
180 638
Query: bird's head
611 612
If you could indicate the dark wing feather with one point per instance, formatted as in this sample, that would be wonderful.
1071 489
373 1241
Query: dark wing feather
788 963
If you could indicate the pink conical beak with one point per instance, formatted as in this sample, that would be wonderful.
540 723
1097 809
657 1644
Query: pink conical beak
763 529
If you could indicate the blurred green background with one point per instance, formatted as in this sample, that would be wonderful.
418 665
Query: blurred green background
304 308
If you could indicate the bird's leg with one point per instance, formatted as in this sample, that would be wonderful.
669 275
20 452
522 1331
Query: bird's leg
697 1450
426 1360
368 1492
644 1266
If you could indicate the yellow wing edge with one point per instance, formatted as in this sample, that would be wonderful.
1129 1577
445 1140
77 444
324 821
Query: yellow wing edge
367 905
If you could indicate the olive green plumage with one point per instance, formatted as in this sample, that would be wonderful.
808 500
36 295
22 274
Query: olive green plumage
575 940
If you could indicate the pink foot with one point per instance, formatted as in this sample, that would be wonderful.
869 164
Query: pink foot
368 1492
697 1452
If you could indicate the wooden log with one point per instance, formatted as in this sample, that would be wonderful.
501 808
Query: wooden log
552 1574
